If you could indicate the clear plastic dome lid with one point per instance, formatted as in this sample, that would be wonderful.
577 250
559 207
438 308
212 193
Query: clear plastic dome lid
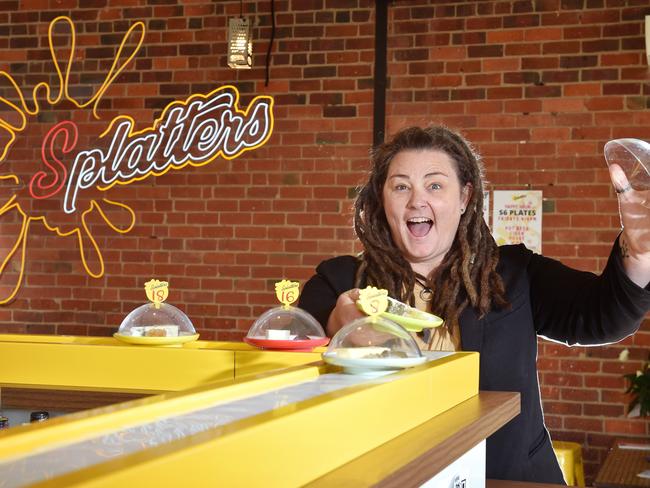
286 327
161 320
156 323
377 337
633 157
373 343
286 323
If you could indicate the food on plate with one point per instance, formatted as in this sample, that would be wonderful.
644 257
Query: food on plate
366 352
155 331
278 334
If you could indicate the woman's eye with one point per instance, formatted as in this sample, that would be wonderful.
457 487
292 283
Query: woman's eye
435 186
401 187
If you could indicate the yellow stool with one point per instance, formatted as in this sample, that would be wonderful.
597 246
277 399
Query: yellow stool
569 455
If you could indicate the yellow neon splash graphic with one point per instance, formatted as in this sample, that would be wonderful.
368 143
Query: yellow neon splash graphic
135 163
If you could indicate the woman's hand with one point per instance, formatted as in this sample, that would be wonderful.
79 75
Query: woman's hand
634 209
345 311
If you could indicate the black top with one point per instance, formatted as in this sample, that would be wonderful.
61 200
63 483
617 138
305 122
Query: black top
547 298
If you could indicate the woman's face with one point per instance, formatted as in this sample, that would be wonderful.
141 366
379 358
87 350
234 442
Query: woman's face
423 199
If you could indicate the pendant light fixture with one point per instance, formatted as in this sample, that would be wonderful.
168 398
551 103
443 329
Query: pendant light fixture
240 41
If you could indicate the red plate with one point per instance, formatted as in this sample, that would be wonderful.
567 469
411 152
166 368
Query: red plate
288 345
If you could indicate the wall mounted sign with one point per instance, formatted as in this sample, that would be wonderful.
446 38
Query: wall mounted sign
80 158
517 218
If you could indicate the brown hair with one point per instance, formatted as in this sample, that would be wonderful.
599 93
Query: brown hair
467 273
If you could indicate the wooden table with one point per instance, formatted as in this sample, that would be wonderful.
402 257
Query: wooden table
416 456
621 468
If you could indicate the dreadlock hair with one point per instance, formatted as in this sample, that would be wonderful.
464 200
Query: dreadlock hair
467 273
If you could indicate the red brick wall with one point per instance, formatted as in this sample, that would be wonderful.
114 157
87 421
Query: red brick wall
538 86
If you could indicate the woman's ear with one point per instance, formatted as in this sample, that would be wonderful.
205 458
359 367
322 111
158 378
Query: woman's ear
466 194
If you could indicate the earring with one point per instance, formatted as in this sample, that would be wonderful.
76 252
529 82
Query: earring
462 210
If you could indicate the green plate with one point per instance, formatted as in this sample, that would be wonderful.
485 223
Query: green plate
423 320
365 365
415 321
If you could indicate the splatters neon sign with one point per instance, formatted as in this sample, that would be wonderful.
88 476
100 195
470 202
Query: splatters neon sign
66 189
200 129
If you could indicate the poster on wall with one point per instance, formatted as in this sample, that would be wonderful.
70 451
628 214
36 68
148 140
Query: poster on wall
517 218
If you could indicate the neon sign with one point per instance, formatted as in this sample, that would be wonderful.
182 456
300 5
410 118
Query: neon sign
65 191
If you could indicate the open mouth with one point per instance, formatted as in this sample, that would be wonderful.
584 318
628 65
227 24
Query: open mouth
419 226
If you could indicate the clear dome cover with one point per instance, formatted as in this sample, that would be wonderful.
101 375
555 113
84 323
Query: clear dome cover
286 327
374 337
149 321
373 343
286 323
633 156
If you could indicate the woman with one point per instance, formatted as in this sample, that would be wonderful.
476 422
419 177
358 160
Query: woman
420 220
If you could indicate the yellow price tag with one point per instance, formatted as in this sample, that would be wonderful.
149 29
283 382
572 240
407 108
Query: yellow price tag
373 301
287 291
157 291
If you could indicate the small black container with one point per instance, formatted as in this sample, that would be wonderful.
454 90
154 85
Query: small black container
4 422
39 416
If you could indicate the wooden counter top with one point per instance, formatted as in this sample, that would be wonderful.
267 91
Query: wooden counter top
621 468
418 455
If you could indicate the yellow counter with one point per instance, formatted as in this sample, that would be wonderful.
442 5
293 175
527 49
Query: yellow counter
221 424
106 364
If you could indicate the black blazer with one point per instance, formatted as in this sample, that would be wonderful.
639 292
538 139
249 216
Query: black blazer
547 298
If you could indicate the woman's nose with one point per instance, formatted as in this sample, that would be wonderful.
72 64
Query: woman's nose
417 199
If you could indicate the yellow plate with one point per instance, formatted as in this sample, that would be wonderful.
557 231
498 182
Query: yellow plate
414 324
156 341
